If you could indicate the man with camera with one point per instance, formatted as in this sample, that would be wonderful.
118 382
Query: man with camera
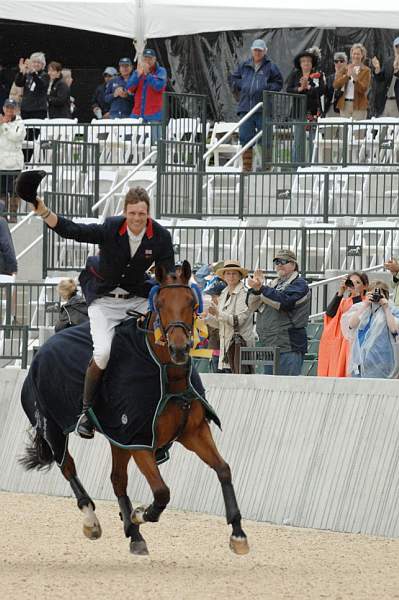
116 92
372 327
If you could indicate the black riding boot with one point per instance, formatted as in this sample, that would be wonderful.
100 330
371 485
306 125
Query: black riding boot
84 427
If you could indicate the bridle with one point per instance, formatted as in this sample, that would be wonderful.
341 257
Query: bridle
188 329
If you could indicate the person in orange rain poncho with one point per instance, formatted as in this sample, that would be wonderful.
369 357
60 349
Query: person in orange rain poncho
334 348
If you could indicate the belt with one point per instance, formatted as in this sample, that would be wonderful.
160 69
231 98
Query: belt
391 98
348 99
120 296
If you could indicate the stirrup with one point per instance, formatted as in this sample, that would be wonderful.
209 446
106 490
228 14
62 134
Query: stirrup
84 429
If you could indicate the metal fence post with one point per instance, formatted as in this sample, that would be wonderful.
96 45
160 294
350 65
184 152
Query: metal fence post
345 146
326 196
45 250
24 353
216 245
304 252
241 196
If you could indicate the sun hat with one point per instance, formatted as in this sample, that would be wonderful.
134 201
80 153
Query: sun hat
311 55
231 265
110 71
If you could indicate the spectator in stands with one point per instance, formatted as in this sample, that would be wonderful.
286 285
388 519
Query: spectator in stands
334 348
354 82
33 78
386 80
333 95
74 309
283 311
58 95
8 259
213 289
372 328
12 135
99 105
248 82
117 95
392 265
67 77
231 307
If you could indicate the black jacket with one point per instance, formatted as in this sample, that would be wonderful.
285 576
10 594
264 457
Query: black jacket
35 91
382 81
73 312
313 103
98 98
59 100
115 266
8 261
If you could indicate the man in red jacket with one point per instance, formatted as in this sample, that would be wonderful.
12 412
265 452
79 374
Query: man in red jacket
147 83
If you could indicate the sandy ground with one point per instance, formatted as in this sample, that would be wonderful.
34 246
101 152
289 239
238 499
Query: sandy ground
43 556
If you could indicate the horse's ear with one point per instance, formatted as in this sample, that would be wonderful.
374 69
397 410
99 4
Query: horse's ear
185 272
160 273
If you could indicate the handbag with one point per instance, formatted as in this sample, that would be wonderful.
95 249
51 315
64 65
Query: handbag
232 354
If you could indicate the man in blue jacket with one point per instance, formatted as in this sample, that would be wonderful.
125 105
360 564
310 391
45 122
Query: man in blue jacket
116 92
118 280
283 307
250 79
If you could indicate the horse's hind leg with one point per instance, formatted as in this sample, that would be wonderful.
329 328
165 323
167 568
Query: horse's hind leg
120 460
145 461
201 442
91 525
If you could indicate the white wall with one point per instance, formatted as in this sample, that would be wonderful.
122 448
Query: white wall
310 452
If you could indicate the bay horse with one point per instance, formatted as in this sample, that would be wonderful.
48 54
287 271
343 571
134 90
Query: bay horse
185 422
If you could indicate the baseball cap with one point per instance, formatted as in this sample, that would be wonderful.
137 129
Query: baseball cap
396 41
10 102
125 61
285 254
149 52
110 71
258 45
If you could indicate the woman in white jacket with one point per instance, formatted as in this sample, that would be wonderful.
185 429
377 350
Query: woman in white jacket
12 135
231 303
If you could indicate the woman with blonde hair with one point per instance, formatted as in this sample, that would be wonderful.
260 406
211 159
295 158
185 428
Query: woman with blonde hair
73 311
353 80
372 327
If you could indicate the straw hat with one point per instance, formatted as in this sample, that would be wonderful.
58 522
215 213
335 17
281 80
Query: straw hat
231 265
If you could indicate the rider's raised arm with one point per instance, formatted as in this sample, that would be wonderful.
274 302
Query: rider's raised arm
81 232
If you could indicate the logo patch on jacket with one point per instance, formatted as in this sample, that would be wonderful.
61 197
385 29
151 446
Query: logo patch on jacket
148 253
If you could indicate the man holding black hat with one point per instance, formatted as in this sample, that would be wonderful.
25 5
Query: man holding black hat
283 308
117 94
148 83
250 79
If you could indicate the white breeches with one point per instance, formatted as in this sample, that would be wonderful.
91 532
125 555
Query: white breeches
105 314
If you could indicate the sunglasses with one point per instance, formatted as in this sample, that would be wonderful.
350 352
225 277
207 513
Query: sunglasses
281 261
339 60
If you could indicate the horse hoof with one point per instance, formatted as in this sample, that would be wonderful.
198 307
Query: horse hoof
137 516
239 545
139 548
92 533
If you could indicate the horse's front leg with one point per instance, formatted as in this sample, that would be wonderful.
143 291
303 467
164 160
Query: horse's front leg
145 460
199 440
120 460
91 525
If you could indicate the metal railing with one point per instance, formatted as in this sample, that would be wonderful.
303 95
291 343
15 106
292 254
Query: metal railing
14 344
315 193
26 303
318 248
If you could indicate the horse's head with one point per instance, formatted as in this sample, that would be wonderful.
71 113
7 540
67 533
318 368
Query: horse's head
175 303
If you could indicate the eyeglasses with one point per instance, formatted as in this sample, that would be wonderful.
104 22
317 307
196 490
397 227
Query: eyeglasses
339 60
281 261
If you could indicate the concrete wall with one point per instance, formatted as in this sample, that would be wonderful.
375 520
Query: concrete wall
305 451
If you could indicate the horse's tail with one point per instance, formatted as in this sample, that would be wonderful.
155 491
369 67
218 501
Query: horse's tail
38 454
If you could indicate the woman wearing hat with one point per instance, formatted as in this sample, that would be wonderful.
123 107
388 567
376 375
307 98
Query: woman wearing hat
232 303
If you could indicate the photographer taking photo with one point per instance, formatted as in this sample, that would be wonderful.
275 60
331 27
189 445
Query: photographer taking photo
372 328
333 347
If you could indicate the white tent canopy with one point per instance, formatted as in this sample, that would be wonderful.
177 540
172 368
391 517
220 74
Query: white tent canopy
146 19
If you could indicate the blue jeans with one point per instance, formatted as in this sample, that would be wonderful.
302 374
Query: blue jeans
290 364
250 127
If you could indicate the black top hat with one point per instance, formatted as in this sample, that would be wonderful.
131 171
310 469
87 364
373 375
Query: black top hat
27 184
311 55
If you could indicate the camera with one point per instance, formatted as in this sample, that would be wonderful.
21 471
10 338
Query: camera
349 283
376 296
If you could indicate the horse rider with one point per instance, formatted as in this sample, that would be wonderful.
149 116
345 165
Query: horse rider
116 280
